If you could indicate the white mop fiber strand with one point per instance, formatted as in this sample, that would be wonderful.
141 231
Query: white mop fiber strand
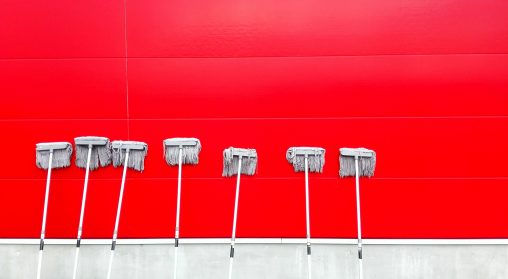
136 157
230 163
316 160
61 158
366 165
101 154
190 154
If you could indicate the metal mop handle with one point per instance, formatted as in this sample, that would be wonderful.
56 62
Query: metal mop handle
358 220
82 213
307 217
43 229
177 226
118 210
233 234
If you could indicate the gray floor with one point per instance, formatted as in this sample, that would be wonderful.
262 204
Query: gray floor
257 261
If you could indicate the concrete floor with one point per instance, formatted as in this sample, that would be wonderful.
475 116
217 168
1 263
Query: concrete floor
259 261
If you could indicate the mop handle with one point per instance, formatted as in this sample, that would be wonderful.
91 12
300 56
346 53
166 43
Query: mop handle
118 210
44 214
83 200
233 234
82 213
120 199
46 198
358 220
179 192
177 226
307 217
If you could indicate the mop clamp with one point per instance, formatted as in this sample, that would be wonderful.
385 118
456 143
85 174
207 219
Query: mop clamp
91 140
232 252
176 242
50 146
113 245
41 245
307 151
78 242
357 152
308 249
360 252
243 152
181 142
129 145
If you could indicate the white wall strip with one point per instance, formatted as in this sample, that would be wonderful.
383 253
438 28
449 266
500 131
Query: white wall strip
329 241
499 241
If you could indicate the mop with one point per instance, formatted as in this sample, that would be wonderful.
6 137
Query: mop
237 161
50 155
90 153
129 154
357 162
179 151
308 159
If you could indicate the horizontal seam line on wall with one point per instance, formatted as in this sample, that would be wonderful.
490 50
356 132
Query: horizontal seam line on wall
251 56
266 178
257 118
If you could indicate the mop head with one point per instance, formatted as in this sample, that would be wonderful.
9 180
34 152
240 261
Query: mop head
366 162
137 154
101 152
190 150
62 152
315 155
232 157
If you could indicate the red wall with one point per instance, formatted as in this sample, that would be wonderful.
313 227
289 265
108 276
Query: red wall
424 83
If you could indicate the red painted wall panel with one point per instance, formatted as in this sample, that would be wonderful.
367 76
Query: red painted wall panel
22 202
434 208
440 85
424 83
229 28
61 29
63 89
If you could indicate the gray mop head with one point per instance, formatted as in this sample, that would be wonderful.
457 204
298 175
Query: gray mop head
101 151
137 154
315 155
190 150
62 152
231 158
366 162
